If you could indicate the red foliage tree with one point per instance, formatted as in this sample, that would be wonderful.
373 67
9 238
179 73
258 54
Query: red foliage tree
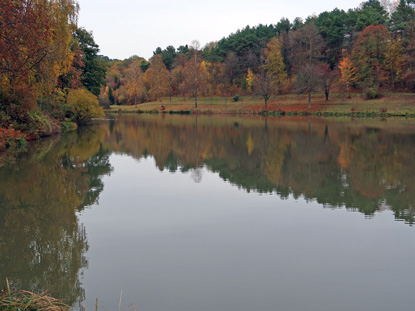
25 35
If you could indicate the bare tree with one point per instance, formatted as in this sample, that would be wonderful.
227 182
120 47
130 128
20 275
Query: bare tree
307 48
264 86
195 48
308 80
327 77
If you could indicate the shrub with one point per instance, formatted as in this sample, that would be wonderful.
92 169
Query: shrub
85 106
372 93
10 138
236 98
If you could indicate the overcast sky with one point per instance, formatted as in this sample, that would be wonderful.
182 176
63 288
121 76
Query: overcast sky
123 28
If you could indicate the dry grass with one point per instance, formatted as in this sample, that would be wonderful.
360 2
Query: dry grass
20 300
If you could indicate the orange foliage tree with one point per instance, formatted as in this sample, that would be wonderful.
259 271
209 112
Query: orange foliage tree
157 77
347 73
34 41
135 82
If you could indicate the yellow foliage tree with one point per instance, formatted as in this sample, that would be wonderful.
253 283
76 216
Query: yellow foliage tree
250 79
274 64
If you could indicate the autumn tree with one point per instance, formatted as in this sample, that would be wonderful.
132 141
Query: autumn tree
62 52
72 78
135 82
157 77
394 63
34 43
215 78
177 75
347 72
274 64
194 74
176 80
231 69
368 55
195 85
250 80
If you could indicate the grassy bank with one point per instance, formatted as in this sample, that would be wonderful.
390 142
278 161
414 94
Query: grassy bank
390 104
17 137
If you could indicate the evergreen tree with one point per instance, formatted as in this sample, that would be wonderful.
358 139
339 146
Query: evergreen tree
95 69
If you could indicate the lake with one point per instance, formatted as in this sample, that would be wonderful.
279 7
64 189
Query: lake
181 213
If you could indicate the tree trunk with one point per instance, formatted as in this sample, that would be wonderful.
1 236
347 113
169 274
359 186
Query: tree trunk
309 99
195 78
327 94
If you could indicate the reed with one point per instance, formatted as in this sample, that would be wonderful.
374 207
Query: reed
21 300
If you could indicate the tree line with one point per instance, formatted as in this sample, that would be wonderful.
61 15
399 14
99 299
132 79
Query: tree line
49 68
369 48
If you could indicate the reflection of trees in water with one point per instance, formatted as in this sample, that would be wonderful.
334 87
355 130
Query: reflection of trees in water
42 245
338 165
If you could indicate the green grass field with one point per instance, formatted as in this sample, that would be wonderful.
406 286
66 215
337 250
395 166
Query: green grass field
390 104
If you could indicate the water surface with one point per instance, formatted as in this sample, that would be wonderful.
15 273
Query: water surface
208 213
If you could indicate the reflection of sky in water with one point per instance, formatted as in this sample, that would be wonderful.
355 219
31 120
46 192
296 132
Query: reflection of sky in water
172 244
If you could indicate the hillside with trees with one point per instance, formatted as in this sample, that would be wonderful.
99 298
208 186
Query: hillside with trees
368 49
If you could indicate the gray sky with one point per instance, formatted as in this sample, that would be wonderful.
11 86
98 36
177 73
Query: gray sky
123 28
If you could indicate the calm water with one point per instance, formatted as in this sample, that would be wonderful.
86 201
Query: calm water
182 213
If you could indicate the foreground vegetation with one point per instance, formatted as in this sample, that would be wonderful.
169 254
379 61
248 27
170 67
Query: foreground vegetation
390 104
12 300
